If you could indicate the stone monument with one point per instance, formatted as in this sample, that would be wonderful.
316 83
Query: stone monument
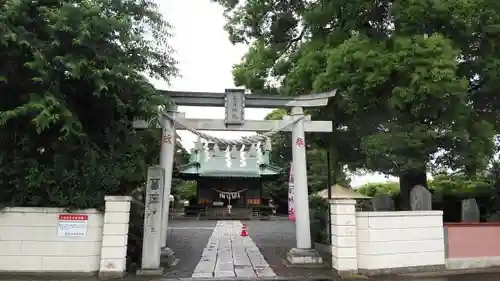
382 202
420 199
151 250
470 210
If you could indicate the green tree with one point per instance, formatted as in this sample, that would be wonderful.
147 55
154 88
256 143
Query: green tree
402 94
72 79
180 187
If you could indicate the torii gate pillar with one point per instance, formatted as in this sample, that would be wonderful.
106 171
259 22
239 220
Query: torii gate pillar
167 151
302 223
303 253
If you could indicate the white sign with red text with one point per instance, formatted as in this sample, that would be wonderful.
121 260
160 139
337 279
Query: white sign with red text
72 225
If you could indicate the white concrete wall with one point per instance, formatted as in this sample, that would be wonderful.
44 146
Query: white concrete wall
29 240
389 240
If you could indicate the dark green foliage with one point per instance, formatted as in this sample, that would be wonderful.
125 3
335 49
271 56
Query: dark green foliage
319 216
402 94
135 231
72 80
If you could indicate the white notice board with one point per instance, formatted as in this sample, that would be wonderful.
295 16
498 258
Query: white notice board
72 225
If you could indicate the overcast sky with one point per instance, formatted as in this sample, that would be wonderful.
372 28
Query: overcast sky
206 58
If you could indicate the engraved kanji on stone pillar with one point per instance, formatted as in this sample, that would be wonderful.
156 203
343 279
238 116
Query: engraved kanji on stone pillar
151 248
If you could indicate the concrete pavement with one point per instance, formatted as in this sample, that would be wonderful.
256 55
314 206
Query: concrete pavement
188 238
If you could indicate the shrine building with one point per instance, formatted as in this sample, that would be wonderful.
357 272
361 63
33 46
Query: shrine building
229 175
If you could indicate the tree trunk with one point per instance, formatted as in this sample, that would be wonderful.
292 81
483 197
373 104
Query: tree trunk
406 182
338 175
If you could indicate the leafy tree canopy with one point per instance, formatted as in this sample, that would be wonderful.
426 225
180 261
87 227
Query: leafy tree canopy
412 77
72 79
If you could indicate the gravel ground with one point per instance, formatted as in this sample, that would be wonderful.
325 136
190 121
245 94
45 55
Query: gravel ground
187 238
274 239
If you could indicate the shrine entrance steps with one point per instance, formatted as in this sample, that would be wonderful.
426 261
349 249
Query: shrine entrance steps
223 213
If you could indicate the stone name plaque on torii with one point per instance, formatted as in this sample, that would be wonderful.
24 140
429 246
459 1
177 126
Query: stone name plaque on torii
235 107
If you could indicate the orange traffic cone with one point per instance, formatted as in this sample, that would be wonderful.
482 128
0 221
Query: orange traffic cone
243 231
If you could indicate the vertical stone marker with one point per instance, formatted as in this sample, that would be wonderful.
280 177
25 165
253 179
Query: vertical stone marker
382 202
470 210
151 244
420 199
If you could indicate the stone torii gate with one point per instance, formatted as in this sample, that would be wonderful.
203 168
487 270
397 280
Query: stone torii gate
235 101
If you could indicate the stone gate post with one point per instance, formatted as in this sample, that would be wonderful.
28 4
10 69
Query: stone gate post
115 232
344 229
343 236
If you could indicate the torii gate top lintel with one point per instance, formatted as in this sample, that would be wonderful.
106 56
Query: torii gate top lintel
251 101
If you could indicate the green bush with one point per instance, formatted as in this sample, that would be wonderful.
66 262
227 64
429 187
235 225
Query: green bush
136 230
461 187
319 216
372 189
448 191
440 186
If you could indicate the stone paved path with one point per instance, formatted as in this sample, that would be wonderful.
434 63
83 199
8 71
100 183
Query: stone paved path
228 254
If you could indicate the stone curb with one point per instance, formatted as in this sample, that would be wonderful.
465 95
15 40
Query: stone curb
469 271
249 279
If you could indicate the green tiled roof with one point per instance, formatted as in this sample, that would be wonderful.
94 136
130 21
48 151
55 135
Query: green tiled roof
229 174
216 165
